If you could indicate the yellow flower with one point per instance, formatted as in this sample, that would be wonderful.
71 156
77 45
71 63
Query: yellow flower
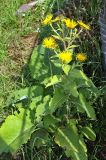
48 19
84 25
65 56
69 23
56 19
81 57
50 43
63 20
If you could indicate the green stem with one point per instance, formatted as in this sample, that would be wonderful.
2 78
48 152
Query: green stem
54 30
70 42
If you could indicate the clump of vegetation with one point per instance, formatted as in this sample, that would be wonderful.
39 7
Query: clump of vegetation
59 107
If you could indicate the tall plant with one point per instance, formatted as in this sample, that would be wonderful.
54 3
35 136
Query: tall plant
59 108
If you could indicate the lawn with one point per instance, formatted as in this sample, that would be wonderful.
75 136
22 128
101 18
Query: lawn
23 69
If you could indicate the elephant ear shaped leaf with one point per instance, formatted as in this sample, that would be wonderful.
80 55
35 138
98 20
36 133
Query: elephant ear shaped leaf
15 131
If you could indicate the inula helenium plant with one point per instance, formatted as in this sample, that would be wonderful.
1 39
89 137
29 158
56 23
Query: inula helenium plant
59 108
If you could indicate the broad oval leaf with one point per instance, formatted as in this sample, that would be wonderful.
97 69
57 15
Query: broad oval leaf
15 131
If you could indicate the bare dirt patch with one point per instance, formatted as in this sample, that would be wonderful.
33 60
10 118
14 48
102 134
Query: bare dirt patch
18 54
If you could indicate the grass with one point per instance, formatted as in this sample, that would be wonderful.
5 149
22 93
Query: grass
12 27
9 24
14 53
17 37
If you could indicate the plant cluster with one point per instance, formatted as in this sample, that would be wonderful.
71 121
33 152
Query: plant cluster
59 108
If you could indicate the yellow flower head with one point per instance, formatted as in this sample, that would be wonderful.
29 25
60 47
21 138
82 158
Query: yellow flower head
64 19
65 56
84 25
56 19
50 43
48 19
81 57
70 23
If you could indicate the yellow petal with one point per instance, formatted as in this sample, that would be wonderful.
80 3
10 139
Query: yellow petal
84 25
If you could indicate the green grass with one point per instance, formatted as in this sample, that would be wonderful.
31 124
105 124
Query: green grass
12 28
12 42
14 49
8 24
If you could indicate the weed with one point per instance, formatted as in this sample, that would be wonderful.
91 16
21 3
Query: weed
12 28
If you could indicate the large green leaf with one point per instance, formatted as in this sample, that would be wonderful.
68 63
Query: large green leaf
50 122
71 87
34 102
79 156
82 80
42 109
15 131
66 139
73 143
25 93
75 73
77 104
59 98
87 107
41 65
66 68
76 81
82 154
37 66
50 81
